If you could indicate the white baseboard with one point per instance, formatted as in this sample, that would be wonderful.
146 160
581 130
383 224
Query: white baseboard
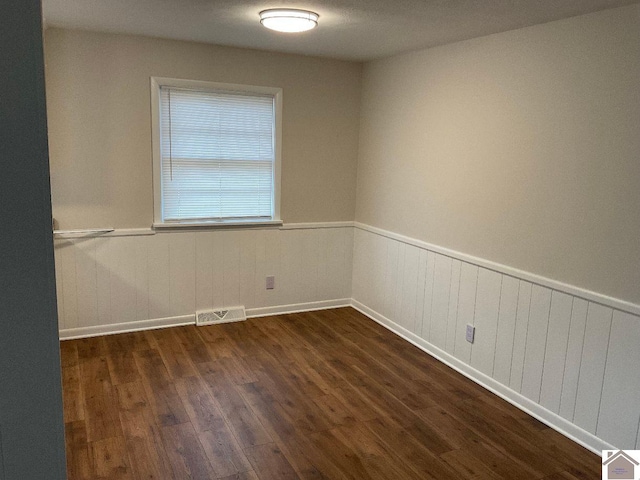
561 425
298 307
137 326
140 325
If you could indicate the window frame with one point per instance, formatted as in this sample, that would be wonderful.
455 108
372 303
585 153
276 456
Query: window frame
156 83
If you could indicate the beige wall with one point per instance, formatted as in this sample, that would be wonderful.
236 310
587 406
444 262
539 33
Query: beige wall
522 148
98 104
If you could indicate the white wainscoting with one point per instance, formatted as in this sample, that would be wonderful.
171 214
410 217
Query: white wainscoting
567 356
570 358
115 283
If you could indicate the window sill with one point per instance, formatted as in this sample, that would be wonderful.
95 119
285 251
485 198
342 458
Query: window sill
217 225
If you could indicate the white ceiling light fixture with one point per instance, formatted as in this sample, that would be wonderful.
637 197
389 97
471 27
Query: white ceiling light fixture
289 20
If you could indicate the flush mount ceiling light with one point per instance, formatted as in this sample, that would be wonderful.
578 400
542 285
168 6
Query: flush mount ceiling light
288 20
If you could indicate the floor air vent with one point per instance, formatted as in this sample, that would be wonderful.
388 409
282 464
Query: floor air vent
226 315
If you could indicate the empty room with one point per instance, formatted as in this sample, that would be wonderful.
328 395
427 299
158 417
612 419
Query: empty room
340 240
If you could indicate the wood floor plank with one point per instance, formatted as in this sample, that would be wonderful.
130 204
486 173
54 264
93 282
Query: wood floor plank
454 431
79 461
496 461
421 456
578 461
246 427
282 430
224 452
269 462
193 344
100 401
90 348
468 466
219 346
330 453
68 353
160 391
237 369
199 404
335 410
146 460
120 348
241 476
514 446
135 412
110 459
73 400
185 453
176 360
319 395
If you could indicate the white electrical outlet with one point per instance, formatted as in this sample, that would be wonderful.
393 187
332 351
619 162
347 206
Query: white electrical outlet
471 333
271 282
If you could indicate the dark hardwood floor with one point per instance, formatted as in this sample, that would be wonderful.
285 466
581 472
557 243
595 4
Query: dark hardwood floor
327 394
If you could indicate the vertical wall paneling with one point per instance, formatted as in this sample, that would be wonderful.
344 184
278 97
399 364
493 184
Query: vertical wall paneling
369 272
520 335
620 409
142 278
347 266
428 296
506 329
363 281
329 252
263 268
391 276
594 354
573 358
570 357
452 313
308 266
59 264
377 271
536 342
103 279
86 282
398 295
486 320
159 274
67 254
291 251
204 270
182 273
248 269
555 351
268 254
230 267
423 258
122 278
466 309
440 302
218 270
407 317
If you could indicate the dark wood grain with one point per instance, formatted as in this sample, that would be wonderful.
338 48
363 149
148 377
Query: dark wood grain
319 395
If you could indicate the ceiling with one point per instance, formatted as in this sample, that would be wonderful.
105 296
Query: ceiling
348 29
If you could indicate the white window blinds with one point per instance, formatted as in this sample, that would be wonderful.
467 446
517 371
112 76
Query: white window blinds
217 154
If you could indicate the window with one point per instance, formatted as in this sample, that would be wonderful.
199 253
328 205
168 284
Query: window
216 151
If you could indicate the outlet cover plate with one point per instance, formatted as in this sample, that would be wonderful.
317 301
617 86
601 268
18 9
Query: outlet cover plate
471 333
271 282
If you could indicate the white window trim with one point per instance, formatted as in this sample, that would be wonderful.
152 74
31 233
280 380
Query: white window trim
156 83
